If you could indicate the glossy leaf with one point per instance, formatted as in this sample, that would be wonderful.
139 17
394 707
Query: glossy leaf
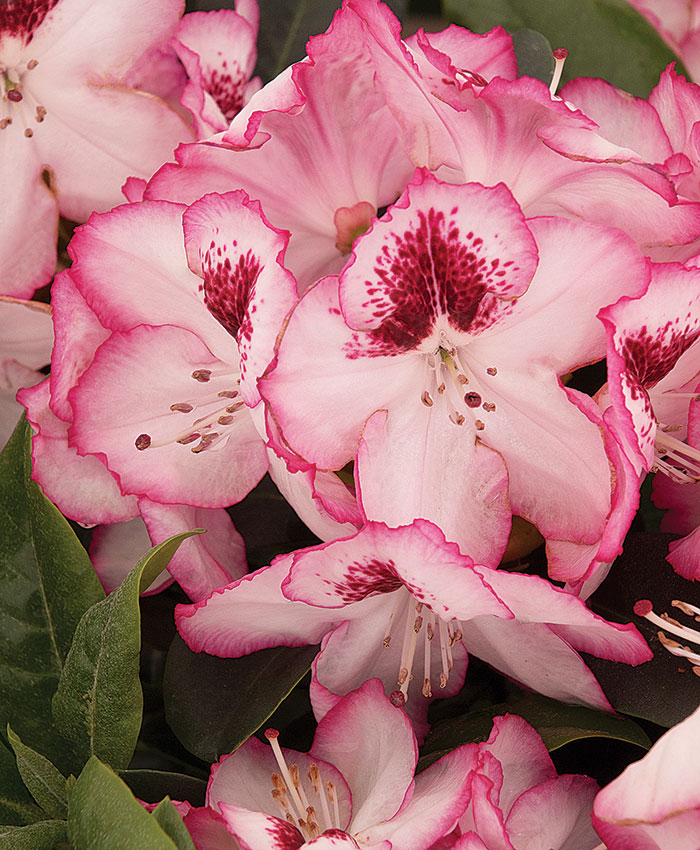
534 55
46 583
99 703
104 815
45 835
558 723
605 38
153 785
214 704
43 780
16 804
171 823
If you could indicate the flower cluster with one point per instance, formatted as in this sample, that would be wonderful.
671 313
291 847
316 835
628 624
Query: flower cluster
376 279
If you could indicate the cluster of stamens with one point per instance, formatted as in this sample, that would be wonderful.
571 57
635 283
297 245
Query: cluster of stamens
420 619
644 608
676 459
13 93
207 431
289 794
447 378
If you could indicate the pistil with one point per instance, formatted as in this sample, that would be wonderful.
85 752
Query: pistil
644 608
674 458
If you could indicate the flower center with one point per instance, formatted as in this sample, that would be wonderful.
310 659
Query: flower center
11 85
289 794
676 459
421 622
209 430
644 608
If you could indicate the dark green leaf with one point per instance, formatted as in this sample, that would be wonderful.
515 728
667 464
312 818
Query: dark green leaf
45 835
16 804
45 782
605 38
99 703
558 723
46 583
153 785
663 690
534 55
214 704
104 815
171 823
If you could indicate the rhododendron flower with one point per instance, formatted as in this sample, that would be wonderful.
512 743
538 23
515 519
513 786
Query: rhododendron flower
71 132
405 605
655 803
26 337
517 800
440 348
355 786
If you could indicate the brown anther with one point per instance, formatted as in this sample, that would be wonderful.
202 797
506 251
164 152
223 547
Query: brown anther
492 370
225 420
457 636
315 777
31 65
458 419
462 379
696 670
397 699
430 631
489 406
29 132
278 782
40 114
387 642
426 399
417 624
4 122
202 375
205 443
443 680
403 675
479 425
289 817
190 438
228 393
671 620
143 441
181 407
442 388
294 773
232 408
684 607
427 691
330 791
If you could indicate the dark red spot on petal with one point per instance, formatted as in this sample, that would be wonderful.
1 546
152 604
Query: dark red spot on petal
229 289
19 18
365 578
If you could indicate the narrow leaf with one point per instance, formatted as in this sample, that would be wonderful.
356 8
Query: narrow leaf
16 804
99 702
605 38
104 815
44 781
214 704
171 823
46 583
45 835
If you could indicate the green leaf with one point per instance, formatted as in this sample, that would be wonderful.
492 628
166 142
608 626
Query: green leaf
153 785
534 55
46 583
104 815
558 723
605 38
99 702
45 782
171 823
16 804
45 835
214 704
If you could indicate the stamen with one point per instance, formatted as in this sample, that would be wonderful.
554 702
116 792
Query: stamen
29 133
317 785
333 797
643 608
559 55
675 458
272 735
399 602
31 65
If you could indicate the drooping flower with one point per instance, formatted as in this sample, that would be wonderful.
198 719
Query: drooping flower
655 803
441 345
71 132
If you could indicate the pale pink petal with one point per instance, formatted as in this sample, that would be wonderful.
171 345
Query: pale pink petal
13 376
252 614
208 830
365 730
135 424
554 814
486 816
116 549
204 562
133 189
256 831
489 55
82 487
26 332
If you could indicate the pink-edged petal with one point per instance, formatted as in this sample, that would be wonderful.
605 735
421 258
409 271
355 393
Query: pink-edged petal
314 399
554 814
256 831
623 119
486 816
440 795
581 267
205 562
82 487
677 103
532 654
452 255
30 212
116 549
372 744
252 614
379 559
523 757
135 424
133 189
684 555
230 244
646 338
534 600
460 485
244 779
208 830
